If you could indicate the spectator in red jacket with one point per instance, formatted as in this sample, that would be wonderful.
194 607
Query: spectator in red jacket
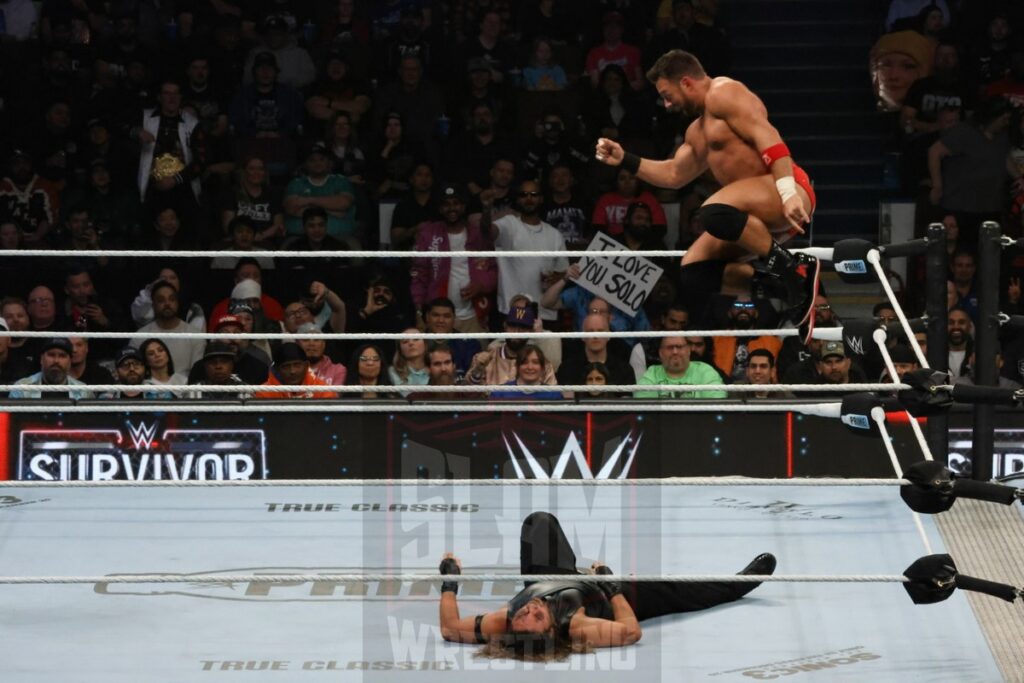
468 282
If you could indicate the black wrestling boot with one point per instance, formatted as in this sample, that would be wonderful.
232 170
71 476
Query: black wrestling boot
762 565
794 279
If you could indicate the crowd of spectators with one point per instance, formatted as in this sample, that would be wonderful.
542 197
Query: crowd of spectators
330 125
949 79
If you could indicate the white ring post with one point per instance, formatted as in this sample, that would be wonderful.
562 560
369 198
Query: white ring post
878 415
875 259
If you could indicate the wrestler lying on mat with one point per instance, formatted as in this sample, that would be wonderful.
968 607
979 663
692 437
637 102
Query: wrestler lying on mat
551 619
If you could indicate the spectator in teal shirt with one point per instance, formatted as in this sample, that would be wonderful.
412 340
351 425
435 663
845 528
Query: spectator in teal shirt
332 192
677 368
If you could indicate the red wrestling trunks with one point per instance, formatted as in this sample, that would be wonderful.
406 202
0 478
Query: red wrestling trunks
804 181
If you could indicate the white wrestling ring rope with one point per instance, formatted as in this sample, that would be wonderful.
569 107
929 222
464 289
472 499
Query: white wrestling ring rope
348 483
505 406
461 578
821 253
452 388
826 333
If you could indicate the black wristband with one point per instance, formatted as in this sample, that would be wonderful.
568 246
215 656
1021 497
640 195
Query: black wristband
609 588
449 566
478 630
630 162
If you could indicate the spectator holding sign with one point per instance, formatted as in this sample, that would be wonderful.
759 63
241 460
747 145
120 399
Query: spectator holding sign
582 303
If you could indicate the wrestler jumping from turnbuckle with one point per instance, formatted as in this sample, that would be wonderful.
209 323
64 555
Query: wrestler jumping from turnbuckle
765 197
551 619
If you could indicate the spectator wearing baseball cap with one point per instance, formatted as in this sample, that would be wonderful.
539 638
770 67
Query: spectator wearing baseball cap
218 370
267 114
130 366
291 368
54 362
497 365
320 188
295 66
834 366
320 364
469 282
251 364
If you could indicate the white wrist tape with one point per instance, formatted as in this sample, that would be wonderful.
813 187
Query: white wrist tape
786 187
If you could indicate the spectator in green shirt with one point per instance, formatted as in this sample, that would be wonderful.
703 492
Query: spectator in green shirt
332 192
677 368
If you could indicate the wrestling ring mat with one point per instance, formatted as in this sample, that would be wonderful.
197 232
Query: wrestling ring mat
383 631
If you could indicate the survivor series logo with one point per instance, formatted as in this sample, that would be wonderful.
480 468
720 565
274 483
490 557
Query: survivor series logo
137 452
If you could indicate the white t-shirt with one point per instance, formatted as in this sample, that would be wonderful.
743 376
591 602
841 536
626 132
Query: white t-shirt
184 352
956 361
523 275
459 277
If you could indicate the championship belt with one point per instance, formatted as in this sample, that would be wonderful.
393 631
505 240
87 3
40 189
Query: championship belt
167 166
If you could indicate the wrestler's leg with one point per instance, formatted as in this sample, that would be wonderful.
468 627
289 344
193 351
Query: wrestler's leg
745 213
543 547
702 273
654 599
759 199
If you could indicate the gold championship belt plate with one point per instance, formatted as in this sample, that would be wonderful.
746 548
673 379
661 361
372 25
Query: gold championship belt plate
167 166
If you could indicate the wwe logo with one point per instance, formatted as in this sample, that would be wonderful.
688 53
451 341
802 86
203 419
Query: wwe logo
573 452
856 345
142 435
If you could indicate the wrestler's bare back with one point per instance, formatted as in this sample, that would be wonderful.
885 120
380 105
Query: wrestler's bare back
716 145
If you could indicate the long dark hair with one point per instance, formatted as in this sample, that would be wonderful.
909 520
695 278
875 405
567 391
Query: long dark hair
145 361
352 377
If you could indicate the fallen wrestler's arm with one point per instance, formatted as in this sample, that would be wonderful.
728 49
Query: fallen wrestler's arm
465 629
597 632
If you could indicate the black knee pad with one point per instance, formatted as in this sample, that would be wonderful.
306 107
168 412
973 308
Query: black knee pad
723 221
699 282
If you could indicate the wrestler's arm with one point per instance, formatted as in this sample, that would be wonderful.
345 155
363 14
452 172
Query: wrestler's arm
745 114
684 167
463 629
597 632
454 627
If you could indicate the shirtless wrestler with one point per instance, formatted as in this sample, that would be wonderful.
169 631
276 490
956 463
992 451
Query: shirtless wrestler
765 197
